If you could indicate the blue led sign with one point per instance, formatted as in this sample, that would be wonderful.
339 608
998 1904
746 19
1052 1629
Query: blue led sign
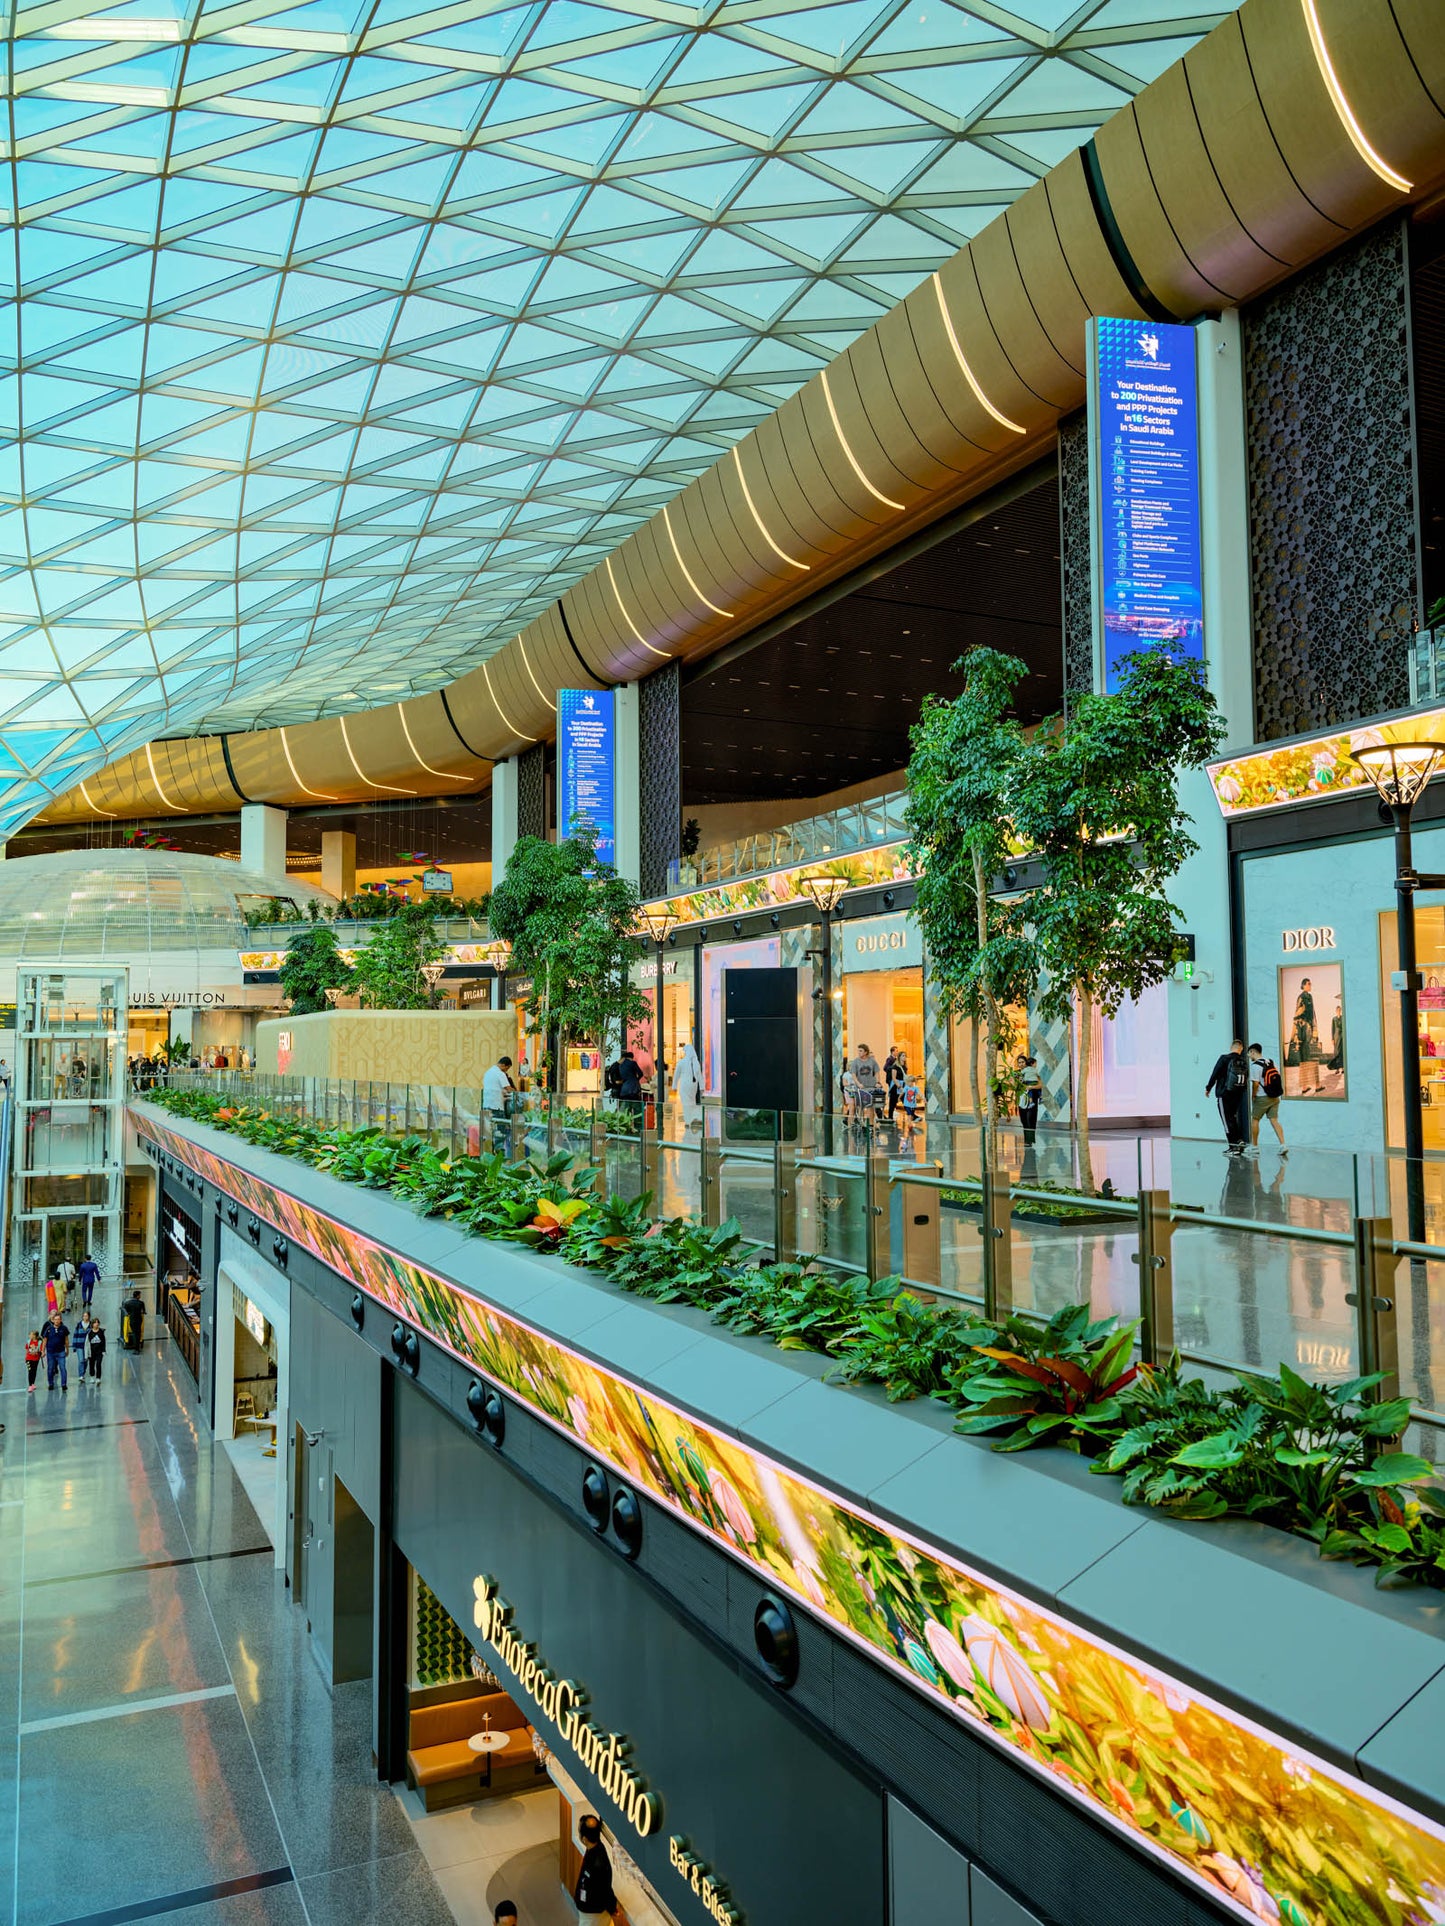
586 736
1146 410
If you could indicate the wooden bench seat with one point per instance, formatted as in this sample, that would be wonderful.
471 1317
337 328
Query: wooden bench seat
442 1766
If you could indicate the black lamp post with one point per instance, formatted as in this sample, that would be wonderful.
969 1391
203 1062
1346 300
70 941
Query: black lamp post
661 922
1400 771
824 893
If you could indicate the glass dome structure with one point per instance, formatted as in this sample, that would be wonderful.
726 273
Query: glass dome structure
344 337
124 904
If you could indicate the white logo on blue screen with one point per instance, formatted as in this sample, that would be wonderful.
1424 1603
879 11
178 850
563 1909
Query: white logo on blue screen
1149 346
589 702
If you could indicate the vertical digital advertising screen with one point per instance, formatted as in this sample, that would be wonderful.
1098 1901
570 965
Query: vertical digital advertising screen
586 751
1146 413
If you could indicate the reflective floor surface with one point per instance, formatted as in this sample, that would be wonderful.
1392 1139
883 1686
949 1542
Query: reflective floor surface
168 1746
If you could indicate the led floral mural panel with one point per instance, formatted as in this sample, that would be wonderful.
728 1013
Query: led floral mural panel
1273 1832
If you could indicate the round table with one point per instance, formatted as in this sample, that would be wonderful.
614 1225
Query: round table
486 1743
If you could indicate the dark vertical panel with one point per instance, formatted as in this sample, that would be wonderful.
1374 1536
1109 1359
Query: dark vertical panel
1330 449
1076 557
659 724
532 791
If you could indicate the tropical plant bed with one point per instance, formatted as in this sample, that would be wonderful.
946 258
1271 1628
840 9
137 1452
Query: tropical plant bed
968 1200
1321 1461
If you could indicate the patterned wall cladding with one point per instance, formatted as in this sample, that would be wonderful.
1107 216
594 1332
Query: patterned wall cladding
442 1652
532 791
1076 555
659 728
1332 489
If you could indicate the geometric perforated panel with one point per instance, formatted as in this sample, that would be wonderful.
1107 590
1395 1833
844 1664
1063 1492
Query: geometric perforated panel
1332 497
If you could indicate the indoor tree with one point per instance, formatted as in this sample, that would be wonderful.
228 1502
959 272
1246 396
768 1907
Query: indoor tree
569 919
311 966
980 954
387 973
1096 799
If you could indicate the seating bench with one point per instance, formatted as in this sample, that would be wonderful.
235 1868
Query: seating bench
442 1766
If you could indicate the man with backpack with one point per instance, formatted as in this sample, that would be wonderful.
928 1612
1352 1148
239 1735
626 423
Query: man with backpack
1229 1086
1267 1087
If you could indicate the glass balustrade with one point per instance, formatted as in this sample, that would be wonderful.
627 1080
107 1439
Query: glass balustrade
1236 1262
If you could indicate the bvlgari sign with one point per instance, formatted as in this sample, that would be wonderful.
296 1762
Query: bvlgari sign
560 1701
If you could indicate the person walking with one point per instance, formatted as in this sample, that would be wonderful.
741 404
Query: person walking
80 1344
89 1278
57 1343
687 1085
497 1093
593 1894
629 1079
868 1075
64 1280
1266 1088
1031 1086
133 1312
504 1913
892 1078
97 1348
1229 1086
33 1353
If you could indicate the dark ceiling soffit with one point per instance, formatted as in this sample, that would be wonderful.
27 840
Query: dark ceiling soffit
1036 475
572 645
489 760
230 770
1123 260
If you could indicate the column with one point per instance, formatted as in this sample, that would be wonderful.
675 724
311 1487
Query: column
338 862
504 816
628 783
1202 1009
263 840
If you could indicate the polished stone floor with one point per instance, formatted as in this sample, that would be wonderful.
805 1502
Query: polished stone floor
168 1746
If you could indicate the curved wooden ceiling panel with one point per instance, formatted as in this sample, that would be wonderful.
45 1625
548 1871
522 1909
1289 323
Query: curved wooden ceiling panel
1308 126
1294 124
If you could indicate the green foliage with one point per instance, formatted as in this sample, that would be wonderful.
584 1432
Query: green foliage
569 919
965 756
387 973
312 965
1312 1459
1050 1384
1096 798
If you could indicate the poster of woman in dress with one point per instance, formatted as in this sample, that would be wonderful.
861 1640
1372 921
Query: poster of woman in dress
1312 1029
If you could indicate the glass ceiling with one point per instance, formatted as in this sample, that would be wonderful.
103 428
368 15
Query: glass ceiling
348 336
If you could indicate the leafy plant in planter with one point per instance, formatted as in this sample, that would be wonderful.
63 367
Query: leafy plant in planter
1310 1459
1063 1378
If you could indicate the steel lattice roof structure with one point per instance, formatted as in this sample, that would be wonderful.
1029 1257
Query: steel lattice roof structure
341 338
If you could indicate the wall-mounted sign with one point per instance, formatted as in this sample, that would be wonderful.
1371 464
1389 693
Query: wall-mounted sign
674 967
1145 406
882 943
256 1322
436 882
704 1883
587 767
1320 937
178 999
561 1701
1312 1029
176 1232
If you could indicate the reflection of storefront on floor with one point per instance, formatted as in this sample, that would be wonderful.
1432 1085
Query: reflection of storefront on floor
253 1329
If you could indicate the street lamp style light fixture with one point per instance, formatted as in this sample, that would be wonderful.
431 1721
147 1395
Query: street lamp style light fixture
334 996
498 954
1400 771
661 920
432 974
824 893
